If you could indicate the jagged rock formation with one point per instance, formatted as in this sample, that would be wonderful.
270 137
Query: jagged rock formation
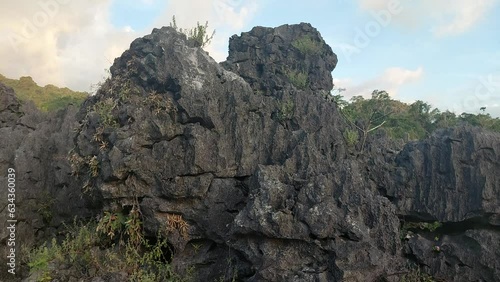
266 57
254 160
259 179
451 178
36 146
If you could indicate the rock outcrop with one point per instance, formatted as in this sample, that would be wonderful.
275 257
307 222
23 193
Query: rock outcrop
452 179
267 58
252 157
256 172
46 194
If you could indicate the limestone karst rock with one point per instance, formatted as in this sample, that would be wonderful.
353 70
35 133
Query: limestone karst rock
253 157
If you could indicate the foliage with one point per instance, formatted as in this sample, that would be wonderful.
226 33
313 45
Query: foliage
93 166
133 227
115 243
339 101
199 33
401 120
160 105
39 260
423 226
285 111
76 162
351 137
44 206
368 117
307 46
175 222
297 78
429 226
110 224
47 98
104 109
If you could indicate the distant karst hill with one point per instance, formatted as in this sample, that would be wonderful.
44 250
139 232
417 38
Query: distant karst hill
47 98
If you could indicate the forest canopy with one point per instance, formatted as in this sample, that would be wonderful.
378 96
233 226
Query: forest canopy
402 120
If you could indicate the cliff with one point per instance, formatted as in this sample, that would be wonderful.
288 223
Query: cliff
250 155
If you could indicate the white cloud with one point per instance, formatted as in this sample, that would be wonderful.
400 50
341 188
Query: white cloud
461 16
372 4
71 43
444 17
391 80
484 92
399 76
59 42
148 2
128 28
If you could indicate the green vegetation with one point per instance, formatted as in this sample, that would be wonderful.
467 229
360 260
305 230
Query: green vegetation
426 226
104 109
401 120
285 111
44 206
351 137
76 161
94 166
115 243
297 78
160 105
407 227
199 33
307 46
48 98
367 117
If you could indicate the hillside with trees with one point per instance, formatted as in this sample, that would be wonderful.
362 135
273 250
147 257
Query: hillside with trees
400 120
47 98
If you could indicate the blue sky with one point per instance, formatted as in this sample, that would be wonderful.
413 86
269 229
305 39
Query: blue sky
440 51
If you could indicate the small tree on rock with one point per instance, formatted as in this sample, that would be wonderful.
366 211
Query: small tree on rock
198 33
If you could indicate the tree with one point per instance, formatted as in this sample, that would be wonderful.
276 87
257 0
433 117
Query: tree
199 33
400 120
338 99
368 115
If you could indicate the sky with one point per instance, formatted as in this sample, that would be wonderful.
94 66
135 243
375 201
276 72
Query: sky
444 52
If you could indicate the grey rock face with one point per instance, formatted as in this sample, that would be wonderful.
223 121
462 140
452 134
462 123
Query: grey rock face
259 175
267 57
36 145
452 178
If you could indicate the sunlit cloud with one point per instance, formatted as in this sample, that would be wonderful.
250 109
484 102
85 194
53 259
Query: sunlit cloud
445 18
71 43
391 80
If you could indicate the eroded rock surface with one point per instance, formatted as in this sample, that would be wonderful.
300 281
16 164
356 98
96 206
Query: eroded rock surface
451 178
36 145
253 168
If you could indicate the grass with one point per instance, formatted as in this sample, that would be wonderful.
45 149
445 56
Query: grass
285 111
351 137
297 78
104 109
429 226
307 46
48 98
115 243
